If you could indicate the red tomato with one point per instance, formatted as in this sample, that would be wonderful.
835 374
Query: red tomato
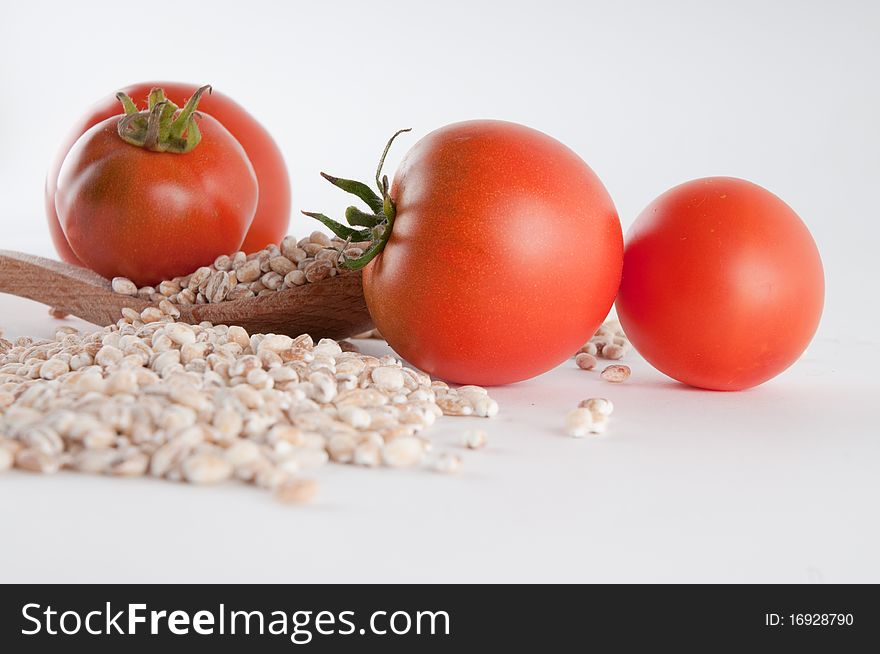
128 211
722 284
505 254
273 209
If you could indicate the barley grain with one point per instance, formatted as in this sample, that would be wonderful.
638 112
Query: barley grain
151 314
368 454
445 462
585 361
166 307
206 469
341 448
403 451
388 378
598 406
613 351
296 491
484 407
7 455
317 270
281 265
320 238
223 263
124 286
168 288
616 373
54 368
578 422
474 439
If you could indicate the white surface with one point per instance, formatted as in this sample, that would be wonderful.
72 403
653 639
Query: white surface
779 483
776 484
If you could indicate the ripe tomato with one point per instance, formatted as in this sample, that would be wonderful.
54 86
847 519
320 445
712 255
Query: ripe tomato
504 253
722 284
273 209
151 215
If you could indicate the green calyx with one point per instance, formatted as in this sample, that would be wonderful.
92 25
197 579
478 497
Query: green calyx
162 126
363 226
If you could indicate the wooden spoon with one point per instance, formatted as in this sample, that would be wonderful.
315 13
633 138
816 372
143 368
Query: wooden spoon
333 307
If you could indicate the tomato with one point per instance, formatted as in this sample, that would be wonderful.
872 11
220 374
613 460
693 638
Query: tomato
273 209
504 254
722 284
152 215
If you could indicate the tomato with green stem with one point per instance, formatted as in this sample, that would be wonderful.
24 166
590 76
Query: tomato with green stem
154 194
272 215
495 253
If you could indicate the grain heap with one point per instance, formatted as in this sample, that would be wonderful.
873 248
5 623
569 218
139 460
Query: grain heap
609 342
238 275
204 403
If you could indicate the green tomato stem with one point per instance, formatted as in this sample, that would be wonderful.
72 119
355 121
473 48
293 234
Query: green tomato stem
185 117
154 124
161 127
155 97
338 228
355 216
127 103
358 189
379 223
382 190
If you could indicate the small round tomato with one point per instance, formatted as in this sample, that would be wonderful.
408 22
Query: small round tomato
154 194
497 252
722 284
273 208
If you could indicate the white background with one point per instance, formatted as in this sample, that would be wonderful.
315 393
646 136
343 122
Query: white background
779 483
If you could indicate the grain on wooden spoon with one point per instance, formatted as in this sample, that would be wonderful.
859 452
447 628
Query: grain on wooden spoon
333 307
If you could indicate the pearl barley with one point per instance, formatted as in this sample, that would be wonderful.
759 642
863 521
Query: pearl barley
474 439
616 374
578 422
598 406
204 403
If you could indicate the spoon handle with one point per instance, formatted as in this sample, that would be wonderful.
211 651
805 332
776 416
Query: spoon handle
74 290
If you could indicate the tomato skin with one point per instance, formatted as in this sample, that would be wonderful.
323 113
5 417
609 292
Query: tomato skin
273 210
504 258
149 216
722 286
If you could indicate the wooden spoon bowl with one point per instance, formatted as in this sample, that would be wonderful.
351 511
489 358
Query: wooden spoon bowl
331 308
